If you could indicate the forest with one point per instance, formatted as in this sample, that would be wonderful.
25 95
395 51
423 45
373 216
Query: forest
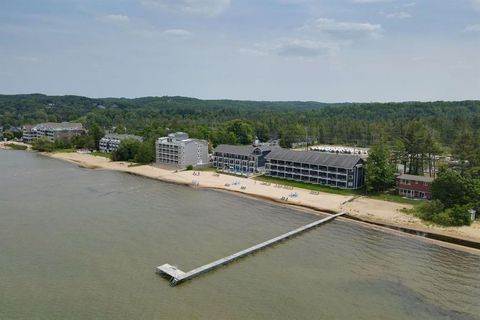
359 124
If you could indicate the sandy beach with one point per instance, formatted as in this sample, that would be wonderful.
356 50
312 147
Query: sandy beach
363 208
3 145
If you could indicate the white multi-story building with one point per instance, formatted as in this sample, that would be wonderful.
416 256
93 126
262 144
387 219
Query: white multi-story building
178 150
111 141
52 131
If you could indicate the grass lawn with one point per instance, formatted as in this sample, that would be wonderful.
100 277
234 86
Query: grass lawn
386 196
15 146
64 150
207 169
309 186
101 154
389 196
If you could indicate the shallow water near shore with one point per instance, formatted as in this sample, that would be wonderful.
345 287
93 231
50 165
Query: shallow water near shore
83 244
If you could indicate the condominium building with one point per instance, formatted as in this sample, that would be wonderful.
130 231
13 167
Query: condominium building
178 150
240 160
52 131
334 170
110 142
414 187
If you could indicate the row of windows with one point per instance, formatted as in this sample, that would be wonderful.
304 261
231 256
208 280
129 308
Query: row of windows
313 180
410 182
283 164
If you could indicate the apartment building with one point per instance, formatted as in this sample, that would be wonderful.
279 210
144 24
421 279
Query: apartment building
110 142
240 160
178 150
52 131
414 187
335 170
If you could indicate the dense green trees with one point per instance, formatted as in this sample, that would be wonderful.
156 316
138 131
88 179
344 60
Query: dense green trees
146 152
454 195
380 169
127 150
353 124
43 145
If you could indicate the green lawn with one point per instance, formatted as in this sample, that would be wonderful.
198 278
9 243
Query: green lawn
309 186
101 154
207 169
390 196
386 196
15 146
69 150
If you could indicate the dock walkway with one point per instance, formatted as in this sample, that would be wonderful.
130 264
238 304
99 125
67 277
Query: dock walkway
177 276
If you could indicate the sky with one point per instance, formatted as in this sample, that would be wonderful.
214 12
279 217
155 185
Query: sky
309 50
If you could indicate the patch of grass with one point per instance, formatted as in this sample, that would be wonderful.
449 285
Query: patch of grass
15 146
386 196
207 169
309 186
392 197
68 150
102 154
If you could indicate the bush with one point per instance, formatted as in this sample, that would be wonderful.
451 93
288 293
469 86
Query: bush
459 216
429 210
43 145
127 150
189 167
435 212
146 152
14 146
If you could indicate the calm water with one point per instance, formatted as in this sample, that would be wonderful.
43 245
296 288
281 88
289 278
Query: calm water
83 244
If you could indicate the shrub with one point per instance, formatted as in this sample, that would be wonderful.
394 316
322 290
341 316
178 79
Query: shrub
43 145
435 212
189 167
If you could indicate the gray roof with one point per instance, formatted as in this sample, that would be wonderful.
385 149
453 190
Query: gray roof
122 136
240 150
345 161
415 178
59 126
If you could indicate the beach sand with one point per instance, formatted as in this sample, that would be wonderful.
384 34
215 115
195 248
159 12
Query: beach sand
363 208
3 144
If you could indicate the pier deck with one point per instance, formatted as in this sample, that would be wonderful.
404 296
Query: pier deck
177 276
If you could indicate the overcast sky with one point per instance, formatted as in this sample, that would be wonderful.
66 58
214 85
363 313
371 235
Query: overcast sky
322 50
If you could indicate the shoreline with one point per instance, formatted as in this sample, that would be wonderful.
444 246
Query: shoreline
376 213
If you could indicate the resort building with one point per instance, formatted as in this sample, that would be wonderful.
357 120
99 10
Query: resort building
180 151
52 131
111 141
241 160
414 187
335 170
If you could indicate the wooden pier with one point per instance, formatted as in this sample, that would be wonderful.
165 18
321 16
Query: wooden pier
177 276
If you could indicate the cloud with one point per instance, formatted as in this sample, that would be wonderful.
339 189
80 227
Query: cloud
27 59
398 15
343 30
114 19
292 48
303 48
319 37
199 7
177 33
472 28
476 4
370 1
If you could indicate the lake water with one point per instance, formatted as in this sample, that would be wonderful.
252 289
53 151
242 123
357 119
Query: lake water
83 244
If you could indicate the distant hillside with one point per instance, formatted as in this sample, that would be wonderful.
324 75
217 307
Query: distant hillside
352 123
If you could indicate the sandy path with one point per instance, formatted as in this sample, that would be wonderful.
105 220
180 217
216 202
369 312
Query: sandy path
360 207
